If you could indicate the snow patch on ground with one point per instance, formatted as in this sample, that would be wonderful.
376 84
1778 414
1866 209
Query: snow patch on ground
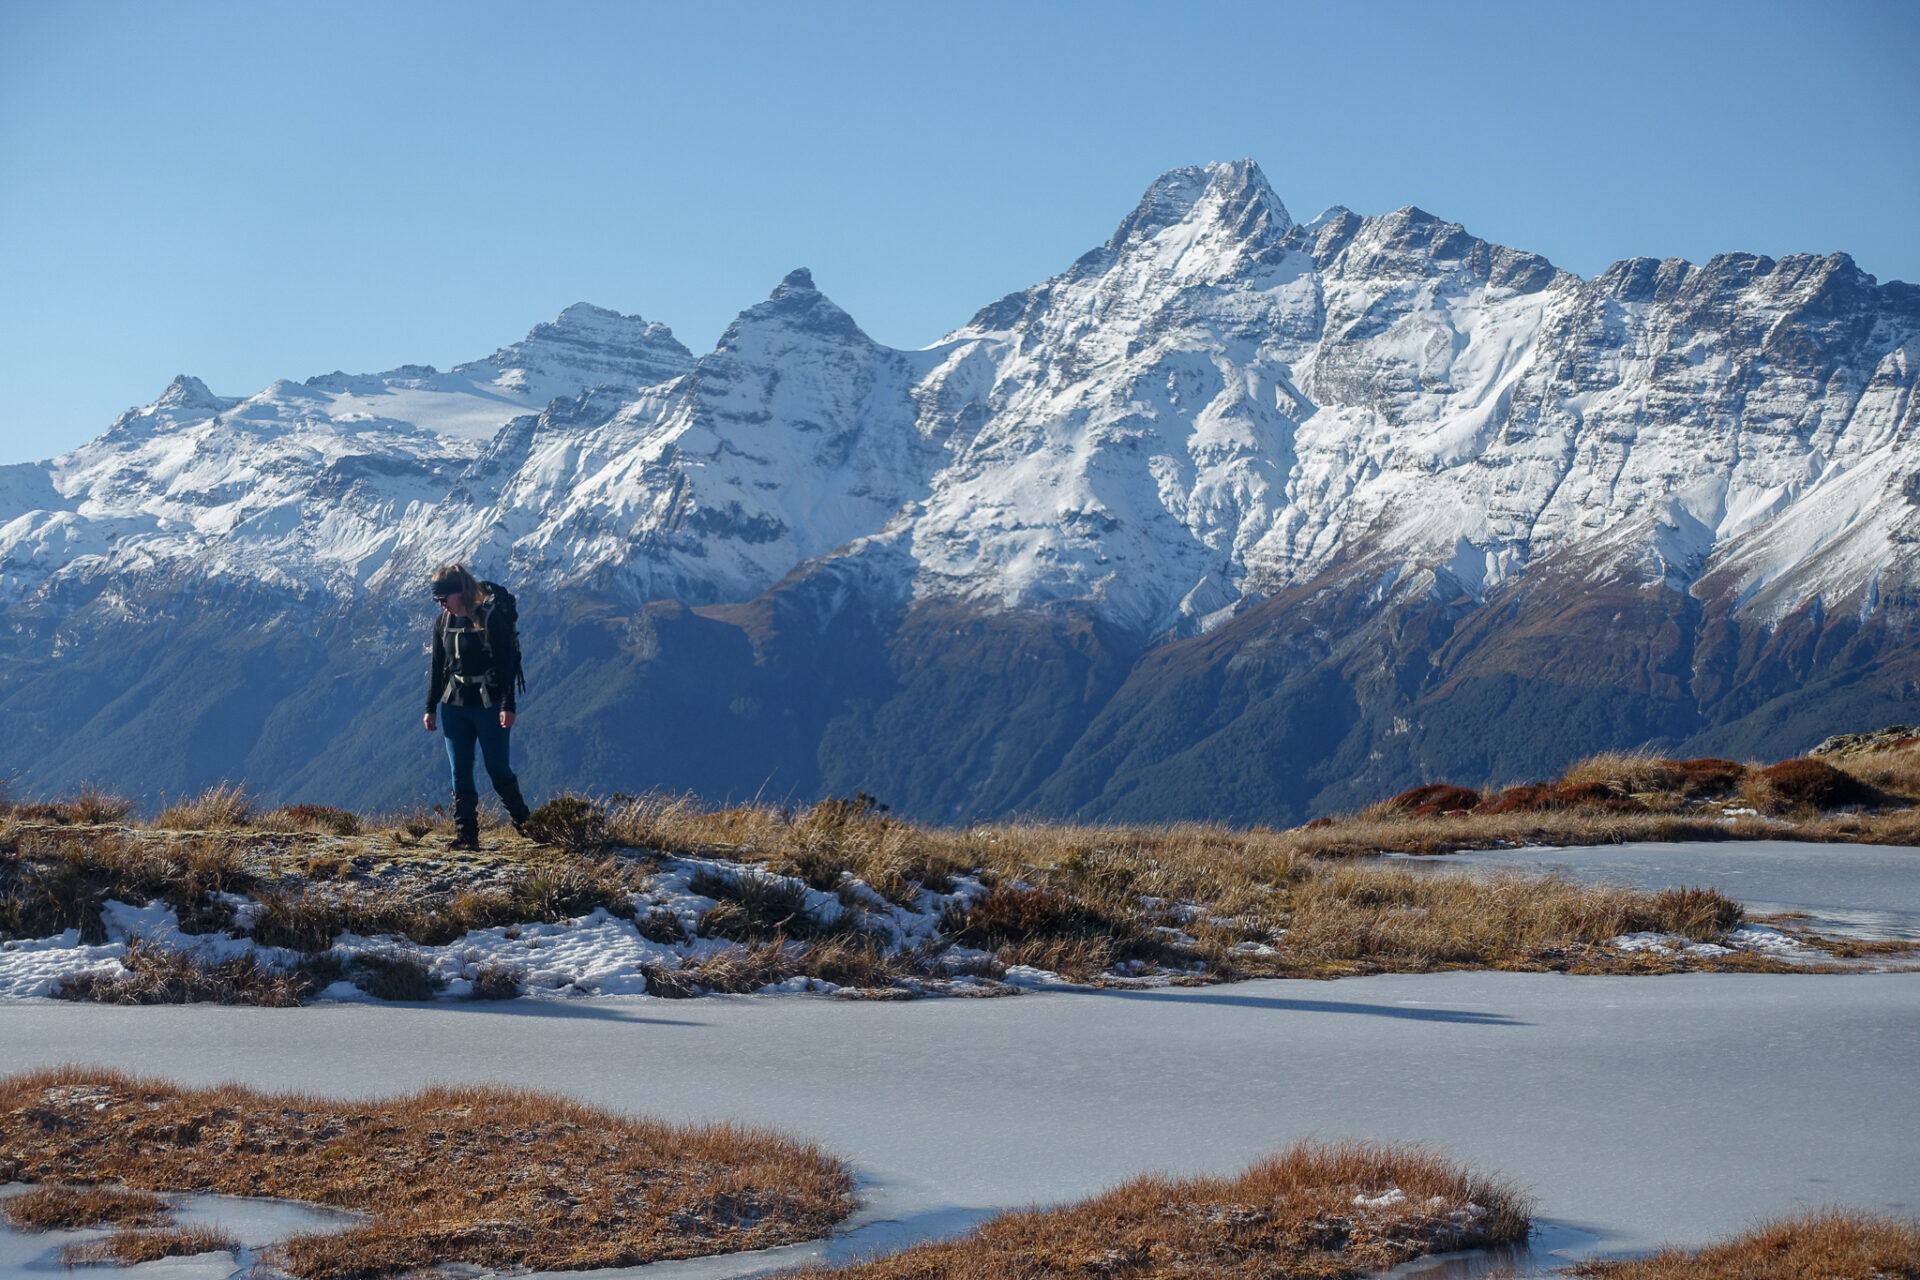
599 954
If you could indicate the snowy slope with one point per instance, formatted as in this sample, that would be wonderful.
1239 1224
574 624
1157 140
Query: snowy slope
1215 405
303 485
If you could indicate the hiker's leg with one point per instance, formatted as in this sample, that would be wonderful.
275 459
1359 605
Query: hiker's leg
515 802
456 726
495 745
466 820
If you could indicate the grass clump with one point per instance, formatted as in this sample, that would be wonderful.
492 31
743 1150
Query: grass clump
848 961
94 806
573 823
50 884
502 1179
305 922
127 1248
322 818
223 805
729 971
393 977
1831 1244
1893 769
498 982
1643 773
825 846
1809 783
542 890
1312 1210
1363 919
68 1208
1075 935
154 974
1434 798
754 906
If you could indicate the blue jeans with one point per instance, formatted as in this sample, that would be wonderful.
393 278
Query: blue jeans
464 726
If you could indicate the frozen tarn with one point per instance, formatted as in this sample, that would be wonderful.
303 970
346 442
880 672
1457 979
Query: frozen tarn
1849 890
253 1223
1638 1109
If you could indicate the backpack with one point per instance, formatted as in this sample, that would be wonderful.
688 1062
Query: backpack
500 604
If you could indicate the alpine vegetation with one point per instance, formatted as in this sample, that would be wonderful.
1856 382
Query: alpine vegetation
1312 1210
1833 1244
663 896
492 1177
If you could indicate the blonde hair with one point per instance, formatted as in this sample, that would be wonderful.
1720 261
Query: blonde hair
469 585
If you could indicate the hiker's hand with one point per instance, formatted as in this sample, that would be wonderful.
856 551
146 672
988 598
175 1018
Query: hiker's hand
506 719
429 721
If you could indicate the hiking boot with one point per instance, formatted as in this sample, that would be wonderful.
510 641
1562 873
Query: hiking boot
516 806
466 821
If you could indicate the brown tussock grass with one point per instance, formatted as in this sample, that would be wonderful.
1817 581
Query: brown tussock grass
1076 899
1832 1244
58 879
1292 1215
65 1208
1895 770
225 804
1643 772
160 975
313 817
126 1248
1401 919
497 1177
1193 900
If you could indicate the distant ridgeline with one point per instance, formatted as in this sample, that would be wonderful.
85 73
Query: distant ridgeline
1236 518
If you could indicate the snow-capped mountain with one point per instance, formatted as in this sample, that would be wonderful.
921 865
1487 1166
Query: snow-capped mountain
1225 440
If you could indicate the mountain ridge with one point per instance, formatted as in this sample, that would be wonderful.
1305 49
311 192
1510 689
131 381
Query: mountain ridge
1351 443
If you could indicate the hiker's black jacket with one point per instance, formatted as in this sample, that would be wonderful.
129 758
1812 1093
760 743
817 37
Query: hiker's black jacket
469 669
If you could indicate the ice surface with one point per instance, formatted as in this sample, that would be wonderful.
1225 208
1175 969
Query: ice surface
254 1223
1640 1109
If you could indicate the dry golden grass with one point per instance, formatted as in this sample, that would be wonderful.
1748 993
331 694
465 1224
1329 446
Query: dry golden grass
125 1248
1895 770
1206 902
223 805
312 817
1089 897
1311 1211
1367 918
64 1208
500 1178
1829 1245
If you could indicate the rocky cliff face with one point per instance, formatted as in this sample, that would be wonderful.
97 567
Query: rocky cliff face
1235 517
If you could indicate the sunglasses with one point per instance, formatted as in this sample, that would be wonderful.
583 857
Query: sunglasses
443 596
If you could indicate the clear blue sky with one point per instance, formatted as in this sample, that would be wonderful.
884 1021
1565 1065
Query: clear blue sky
250 191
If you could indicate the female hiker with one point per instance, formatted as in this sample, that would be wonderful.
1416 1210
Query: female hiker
476 664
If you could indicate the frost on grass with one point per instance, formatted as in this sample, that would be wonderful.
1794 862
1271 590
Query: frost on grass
1312 1210
837 900
493 1177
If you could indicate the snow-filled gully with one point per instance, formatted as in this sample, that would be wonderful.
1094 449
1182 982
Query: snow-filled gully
1638 1110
